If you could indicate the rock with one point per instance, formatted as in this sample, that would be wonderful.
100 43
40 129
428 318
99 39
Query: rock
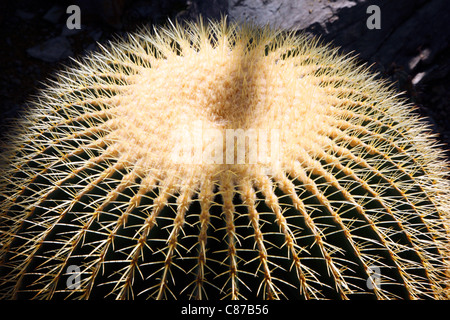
96 34
287 14
66 32
24 15
212 9
90 48
54 14
52 50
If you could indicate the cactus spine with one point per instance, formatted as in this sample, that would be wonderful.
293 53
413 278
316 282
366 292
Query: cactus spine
355 205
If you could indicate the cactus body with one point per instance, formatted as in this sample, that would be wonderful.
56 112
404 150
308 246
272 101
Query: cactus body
353 203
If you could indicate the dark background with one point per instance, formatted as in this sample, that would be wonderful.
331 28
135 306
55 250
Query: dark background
411 48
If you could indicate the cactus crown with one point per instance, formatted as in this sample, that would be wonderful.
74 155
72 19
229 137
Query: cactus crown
353 200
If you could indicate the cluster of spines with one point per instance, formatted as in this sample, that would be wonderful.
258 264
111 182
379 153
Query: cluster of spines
69 197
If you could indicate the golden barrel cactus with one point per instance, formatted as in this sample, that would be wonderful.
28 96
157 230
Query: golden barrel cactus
220 160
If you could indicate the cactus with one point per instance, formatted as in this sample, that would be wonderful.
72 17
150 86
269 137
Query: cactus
353 202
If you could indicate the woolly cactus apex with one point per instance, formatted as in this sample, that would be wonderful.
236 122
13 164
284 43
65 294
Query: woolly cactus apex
124 179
